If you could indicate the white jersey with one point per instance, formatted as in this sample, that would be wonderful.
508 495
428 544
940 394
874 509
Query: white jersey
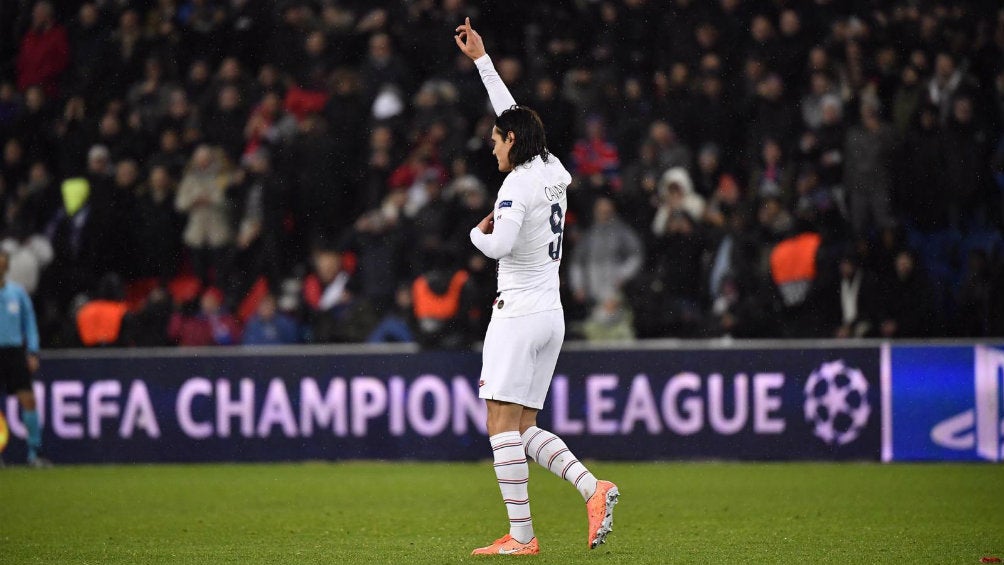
530 212
533 196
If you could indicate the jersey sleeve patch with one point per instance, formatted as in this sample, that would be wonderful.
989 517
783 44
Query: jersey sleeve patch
505 204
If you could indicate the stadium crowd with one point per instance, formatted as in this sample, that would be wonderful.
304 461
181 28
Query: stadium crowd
203 172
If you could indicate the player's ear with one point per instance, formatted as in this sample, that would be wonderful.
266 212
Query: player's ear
510 137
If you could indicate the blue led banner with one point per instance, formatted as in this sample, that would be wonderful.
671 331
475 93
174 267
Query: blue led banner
750 404
947 403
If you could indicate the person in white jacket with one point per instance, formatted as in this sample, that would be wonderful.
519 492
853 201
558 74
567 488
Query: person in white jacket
524 233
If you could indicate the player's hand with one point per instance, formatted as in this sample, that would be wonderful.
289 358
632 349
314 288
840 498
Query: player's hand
32 363
469 41
487 225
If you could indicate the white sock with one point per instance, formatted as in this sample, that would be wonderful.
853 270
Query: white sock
513 475
547 449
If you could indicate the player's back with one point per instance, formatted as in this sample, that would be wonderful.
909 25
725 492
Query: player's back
535 195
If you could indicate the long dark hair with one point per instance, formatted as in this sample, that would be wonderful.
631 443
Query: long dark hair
528 130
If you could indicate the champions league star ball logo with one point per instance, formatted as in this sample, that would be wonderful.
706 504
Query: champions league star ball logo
836 402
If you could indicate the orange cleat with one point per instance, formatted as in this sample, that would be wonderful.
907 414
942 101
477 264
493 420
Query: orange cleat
506 545
600 507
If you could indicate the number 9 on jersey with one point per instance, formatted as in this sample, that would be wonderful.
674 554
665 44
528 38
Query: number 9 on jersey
557 226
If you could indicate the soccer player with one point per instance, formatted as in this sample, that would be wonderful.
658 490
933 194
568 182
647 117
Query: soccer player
524 234
19 356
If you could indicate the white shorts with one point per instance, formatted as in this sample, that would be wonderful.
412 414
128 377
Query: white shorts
519 356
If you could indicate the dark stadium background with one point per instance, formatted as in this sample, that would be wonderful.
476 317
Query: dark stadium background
348 140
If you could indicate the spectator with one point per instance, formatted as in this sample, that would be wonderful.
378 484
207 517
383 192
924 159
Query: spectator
717 124
383 67
442 301
33 126
857 300
170 154
773 176
794 272
268 326
202 197
867 169
738 313
158 226
641 178
88 40
770 114
775 221
945 83
814 202
29 254
908 299
73 138
211 325
396 325
44 52
179 116
121 219
379 239
823 147
336 312
560 115
975 297
672 306
257 203
127 52
670 151
150 96
99 320
147 325
609 255
595 159
225 122
923 193
820 90
77 244
32 202
907 100
676 194
965 176
322 198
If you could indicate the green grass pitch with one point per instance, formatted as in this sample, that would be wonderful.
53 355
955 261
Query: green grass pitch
416 513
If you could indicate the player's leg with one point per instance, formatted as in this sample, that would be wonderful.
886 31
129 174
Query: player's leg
512 474
511 468
541 445
504 377
551 452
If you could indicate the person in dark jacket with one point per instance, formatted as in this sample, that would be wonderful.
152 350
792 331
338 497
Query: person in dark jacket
921 190
908 302
868 169
852 303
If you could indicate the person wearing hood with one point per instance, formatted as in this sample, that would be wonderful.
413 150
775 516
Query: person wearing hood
676 194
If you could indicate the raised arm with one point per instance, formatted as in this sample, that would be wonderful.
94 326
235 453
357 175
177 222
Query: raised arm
469 41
